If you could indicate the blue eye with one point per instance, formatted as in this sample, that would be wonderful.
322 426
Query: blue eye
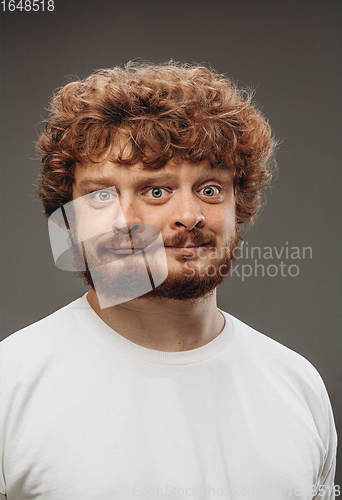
210 191
103 196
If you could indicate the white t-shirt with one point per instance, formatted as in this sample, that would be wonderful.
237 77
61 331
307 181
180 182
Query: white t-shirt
89 415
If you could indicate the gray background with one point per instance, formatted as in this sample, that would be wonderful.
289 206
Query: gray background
289 52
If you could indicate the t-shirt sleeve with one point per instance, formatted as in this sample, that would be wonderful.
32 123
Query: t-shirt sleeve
2 479
325 488
2 425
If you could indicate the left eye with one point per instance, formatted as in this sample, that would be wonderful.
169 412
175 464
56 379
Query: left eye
156 192
103 196
210 191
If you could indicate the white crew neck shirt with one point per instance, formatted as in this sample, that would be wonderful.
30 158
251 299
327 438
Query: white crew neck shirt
89 415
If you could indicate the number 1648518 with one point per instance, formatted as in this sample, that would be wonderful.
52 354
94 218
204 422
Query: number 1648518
28 5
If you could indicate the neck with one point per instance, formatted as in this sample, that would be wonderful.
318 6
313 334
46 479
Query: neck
161 324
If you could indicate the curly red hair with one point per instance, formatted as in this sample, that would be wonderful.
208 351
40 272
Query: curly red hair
167 111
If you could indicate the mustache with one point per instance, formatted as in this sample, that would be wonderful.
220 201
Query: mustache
114 240
196 237
141 238
126 241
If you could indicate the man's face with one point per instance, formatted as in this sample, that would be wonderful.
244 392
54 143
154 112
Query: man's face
192 205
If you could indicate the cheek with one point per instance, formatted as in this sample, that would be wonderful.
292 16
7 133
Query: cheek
89 225
221 221
91 222
224 228
156 216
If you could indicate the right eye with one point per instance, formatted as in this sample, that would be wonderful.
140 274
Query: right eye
157 194
103 195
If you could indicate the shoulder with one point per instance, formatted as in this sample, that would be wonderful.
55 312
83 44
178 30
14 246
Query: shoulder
288 378
271 360
42 338
253 341
288 374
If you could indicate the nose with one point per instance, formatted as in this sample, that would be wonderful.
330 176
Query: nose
187 213
126 219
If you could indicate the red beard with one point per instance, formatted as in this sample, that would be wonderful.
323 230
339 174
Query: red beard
191 282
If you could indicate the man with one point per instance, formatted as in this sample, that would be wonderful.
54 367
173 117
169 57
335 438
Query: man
143 388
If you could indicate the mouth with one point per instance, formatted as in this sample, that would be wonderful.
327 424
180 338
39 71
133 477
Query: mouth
125 250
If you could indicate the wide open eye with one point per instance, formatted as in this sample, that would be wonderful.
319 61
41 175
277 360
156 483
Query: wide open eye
103 195
156 192
210 191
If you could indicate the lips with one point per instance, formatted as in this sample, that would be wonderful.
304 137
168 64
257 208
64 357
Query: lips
188 249
125 250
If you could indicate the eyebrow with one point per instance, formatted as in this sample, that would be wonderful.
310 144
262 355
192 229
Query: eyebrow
108 181
164 177
102 182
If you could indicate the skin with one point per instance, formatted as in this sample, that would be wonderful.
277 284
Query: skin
178 198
